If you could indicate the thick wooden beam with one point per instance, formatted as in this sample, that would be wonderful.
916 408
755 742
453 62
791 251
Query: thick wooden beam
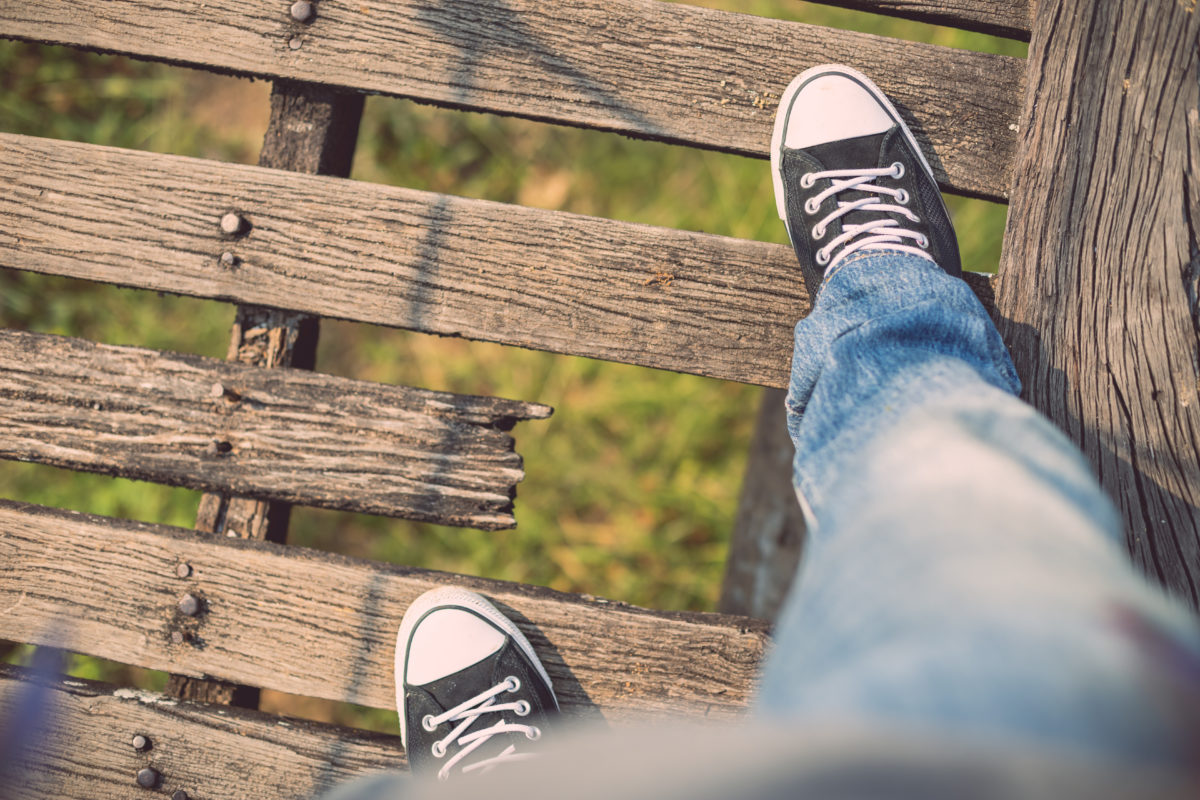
1098 283
284 434
321 625
1007 18
81 745
644 68
768 533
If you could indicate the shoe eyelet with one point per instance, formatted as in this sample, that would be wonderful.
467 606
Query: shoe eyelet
807 180
438 750
533 734
523 708
902 197
818 233
923 242
513 683
822 257
897 169
811 206
428 724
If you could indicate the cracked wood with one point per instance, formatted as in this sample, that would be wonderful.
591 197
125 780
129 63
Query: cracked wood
281 434
1098 282
323 625
433 263
83 749
640 67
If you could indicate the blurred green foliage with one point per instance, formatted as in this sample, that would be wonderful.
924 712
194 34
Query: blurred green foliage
633 483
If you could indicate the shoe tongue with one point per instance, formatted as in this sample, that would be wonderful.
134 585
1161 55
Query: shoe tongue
453 689
861 152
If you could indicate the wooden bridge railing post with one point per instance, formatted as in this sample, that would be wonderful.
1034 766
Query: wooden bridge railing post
313 129
1098 283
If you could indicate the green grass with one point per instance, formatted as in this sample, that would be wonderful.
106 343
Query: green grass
632 485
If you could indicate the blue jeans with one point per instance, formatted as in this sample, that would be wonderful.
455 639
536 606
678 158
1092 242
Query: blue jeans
964 571
964 578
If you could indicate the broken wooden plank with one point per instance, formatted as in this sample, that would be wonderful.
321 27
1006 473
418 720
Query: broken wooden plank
644 68
323 625
83 746
281 434
1007 18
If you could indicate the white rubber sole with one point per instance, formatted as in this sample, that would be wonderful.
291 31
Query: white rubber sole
454 597
785 110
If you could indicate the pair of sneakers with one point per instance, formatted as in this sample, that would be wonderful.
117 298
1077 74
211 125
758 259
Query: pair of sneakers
849 178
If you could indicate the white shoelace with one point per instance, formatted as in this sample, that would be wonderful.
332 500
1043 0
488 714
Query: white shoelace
877 234
466 713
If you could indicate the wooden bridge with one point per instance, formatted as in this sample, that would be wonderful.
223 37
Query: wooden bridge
1094 141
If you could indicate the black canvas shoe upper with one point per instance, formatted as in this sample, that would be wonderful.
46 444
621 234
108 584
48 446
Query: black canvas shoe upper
878 182
485 714
440 696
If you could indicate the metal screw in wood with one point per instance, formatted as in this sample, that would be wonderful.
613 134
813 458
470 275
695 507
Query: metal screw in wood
183 570
228 259
179 794
177 637
148 777
295 43
303 11
140 742
189 605
232 223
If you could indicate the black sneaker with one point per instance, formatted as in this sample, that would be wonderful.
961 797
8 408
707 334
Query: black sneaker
471 692
849 175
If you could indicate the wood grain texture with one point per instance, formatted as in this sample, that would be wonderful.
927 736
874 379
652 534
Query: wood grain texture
769 531
642 295
289 435
1098 283
1007 18
640 67
207 751
322 625
548 280
312 129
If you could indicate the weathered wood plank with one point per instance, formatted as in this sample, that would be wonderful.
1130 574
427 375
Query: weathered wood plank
548 280
85 750
640 67
1007 18
283 434
1098 283
322 625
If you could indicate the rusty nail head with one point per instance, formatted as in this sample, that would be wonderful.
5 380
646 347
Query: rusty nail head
189 605
228 259
303 11
148 777
183 570
232 223
140 742
176 637
179 794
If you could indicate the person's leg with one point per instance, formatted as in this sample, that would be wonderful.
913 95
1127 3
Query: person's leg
964 571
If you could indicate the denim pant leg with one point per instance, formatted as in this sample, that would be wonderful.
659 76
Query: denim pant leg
964 572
